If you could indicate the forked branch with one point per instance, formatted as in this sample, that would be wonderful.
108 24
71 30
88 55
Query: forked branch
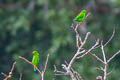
9 76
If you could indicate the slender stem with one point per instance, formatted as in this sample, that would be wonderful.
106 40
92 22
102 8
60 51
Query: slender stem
42 76
105 61
96 57
20 76
46 64
78 51
113 56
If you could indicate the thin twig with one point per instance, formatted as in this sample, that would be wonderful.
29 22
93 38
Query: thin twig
96 57
104 57
109 73
7 77
13 67
93 47
110 38
42 75
100 68
113 56
58 72
113 33
20 76
105 61
4 74
46 64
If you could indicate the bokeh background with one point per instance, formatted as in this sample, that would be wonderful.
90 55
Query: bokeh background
44 25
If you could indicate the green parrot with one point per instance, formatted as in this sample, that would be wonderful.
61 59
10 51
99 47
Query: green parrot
35 59
81 16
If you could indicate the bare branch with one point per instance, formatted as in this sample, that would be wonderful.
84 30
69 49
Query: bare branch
58 72
46 64
20 76
78 51
86 37
109 73
4 74
113 56
93 47
100 68
105 61
106 73
103 53
13 67
110 38
42 75
78 38
96 57
24 59
7 77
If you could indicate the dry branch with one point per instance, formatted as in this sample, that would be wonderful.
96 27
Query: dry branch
81 52
7 77
20 76
105 68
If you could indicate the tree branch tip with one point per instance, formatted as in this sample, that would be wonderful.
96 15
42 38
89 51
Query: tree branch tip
88 32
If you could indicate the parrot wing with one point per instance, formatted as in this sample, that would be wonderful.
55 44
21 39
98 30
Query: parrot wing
35 60
80 16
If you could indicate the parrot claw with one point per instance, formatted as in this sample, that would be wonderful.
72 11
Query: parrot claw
79 23
35 66
30 62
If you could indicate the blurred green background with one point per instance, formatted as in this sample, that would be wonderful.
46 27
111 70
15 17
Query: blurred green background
44 25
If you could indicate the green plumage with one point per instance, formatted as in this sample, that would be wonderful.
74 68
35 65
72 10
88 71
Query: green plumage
35 59
81 16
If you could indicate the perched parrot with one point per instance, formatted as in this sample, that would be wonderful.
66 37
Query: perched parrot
81 16
35 59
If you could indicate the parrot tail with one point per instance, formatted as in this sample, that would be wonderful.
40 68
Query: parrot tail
35 68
